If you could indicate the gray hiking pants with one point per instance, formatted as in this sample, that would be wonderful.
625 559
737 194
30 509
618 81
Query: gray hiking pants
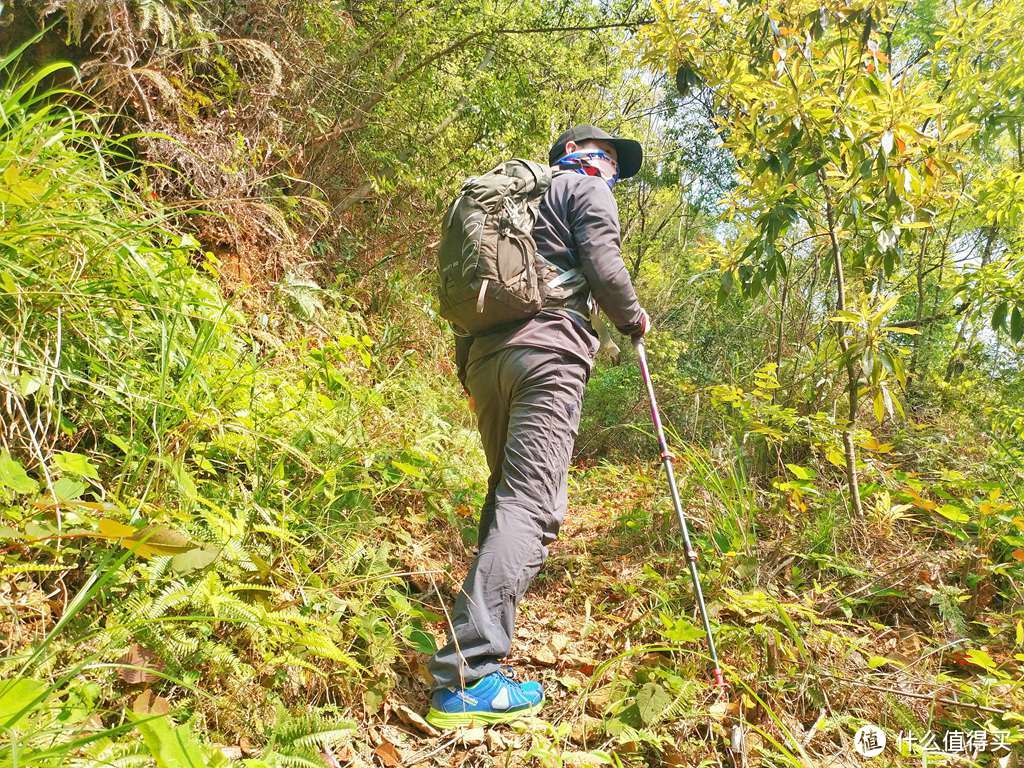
528 411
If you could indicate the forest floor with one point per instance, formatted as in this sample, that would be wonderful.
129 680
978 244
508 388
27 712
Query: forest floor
572 619
593 628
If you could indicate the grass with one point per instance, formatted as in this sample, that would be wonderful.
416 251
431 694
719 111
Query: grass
211 515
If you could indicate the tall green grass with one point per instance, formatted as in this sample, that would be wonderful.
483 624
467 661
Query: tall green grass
190 511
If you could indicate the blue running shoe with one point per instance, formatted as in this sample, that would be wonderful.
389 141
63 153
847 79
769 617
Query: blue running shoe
494 698
531 688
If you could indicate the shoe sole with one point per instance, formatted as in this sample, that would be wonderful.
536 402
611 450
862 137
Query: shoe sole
448 720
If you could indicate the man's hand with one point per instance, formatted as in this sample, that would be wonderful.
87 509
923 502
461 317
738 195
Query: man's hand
472 404
645 325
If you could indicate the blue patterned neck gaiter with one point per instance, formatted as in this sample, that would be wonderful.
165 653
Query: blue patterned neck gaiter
586 162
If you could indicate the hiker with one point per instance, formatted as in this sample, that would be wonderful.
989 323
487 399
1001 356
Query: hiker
525 384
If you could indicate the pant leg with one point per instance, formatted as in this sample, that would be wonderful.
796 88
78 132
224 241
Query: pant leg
485 380
544 390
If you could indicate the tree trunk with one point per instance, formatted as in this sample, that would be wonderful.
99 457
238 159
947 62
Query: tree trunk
915 357
849 449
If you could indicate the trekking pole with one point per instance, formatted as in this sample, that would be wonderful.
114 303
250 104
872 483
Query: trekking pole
691 554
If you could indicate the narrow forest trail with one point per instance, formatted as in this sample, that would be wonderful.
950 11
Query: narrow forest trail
597 624
572 632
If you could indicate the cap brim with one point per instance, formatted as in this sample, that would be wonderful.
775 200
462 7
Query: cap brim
630 154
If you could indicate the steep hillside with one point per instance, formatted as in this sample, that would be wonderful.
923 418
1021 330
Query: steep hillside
239 482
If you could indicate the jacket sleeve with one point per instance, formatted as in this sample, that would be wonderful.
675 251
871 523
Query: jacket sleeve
462 345
593 217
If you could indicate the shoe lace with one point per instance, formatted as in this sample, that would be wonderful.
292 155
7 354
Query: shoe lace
507 674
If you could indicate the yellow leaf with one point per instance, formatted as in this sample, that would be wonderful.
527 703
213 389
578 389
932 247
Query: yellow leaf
871 444
898 329
115 530
961 132
407 469
980 658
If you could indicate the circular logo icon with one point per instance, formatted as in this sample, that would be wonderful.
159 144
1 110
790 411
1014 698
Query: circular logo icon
869 740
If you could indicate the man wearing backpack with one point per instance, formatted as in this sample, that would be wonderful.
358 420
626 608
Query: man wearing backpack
525 381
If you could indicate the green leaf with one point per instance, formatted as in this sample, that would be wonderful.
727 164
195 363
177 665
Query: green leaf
897 329
170 745
194 559
981 658
420 640
680 630
120 442
18 190
320 645
13 475
962 131
801 473
845 316
652 700
185 481
999 316
878 406
14 695
76 464
7 282
28 384
954 513
1016 325
68 489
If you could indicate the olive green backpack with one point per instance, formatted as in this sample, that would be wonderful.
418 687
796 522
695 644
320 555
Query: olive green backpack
490 274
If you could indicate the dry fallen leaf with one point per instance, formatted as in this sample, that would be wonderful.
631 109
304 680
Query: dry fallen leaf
558 642
231 753
139 661
388 754
599 699
409 717
148 704
472 736
581 759
544 656
719 710
585 728
494 741
674 758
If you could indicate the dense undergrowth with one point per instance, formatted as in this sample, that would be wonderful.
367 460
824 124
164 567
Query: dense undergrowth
238 481
211 503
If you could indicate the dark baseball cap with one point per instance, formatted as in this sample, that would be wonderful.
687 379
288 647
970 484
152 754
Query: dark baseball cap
629 152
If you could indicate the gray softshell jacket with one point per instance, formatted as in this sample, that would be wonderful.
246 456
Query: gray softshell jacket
577 226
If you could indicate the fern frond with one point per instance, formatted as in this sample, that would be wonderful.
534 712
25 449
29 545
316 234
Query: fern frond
328 737
294 761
